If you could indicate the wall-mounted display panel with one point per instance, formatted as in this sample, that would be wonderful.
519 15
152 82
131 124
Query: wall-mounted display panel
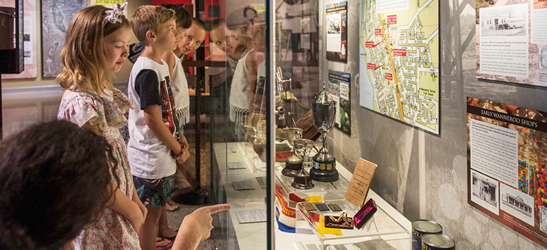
507 174
29 40
512 41
337 31
339 90
399 60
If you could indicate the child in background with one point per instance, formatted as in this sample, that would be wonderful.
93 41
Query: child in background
244 80
226 41
92 102
190 39
258 40
178 78
152 148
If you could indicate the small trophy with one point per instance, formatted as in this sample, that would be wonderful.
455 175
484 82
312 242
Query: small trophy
293 164
302 147
324 164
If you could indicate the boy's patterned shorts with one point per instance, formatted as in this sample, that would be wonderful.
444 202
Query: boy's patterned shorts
153 192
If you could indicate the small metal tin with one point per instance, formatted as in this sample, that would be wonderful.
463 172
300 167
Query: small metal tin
437 242
421 228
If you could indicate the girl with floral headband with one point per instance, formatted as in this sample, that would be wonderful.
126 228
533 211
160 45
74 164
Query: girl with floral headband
96 46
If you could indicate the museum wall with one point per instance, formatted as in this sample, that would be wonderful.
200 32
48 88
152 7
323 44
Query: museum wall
421 174
121 76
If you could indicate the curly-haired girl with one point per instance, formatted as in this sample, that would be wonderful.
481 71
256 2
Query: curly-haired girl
54 180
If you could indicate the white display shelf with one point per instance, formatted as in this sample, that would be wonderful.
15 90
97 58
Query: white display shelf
253 235
328 190
382 229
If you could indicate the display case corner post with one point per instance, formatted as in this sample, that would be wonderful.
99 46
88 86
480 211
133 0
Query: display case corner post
1 114
270 119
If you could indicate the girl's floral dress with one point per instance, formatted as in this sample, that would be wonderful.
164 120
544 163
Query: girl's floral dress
112 230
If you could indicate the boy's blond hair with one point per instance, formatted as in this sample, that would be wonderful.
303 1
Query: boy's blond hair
149 18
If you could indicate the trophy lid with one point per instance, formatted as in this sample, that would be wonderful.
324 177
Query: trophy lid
324 111
323 97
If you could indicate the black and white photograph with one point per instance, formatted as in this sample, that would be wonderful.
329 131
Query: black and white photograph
517 203
543 219
485 191
543 58
504 21
333 24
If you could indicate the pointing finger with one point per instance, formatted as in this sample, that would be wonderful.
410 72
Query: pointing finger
217 208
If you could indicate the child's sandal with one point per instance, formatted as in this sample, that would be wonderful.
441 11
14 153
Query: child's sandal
164 246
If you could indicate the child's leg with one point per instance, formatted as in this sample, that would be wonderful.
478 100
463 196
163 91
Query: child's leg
164 230
153 194
148 231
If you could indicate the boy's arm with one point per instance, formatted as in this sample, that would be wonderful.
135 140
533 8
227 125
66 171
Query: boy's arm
147 86
157 126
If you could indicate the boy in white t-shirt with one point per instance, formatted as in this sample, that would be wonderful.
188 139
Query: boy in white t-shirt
152 147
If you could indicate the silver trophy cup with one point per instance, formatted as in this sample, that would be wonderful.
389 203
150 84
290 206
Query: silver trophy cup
324 112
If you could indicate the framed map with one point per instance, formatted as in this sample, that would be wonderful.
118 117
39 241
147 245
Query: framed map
400 60
56 15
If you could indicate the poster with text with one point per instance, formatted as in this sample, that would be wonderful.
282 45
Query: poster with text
512 41
29 40
339 89
399 60
337 32
507 173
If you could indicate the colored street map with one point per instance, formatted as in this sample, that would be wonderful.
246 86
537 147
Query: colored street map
399 60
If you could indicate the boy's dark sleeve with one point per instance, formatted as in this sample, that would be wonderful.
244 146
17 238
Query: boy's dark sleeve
147 86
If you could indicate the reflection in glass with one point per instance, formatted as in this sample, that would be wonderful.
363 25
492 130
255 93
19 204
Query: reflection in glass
239 88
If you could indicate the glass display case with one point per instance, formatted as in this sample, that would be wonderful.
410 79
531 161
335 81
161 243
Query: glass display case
269 116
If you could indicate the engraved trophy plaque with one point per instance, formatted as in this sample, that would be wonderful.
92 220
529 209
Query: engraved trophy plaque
293 164
324 112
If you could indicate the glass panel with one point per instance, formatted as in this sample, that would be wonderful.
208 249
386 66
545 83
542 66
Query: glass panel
297 55
237 111
298 42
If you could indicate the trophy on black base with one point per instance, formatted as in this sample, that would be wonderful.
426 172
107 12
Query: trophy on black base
324 164
293 164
